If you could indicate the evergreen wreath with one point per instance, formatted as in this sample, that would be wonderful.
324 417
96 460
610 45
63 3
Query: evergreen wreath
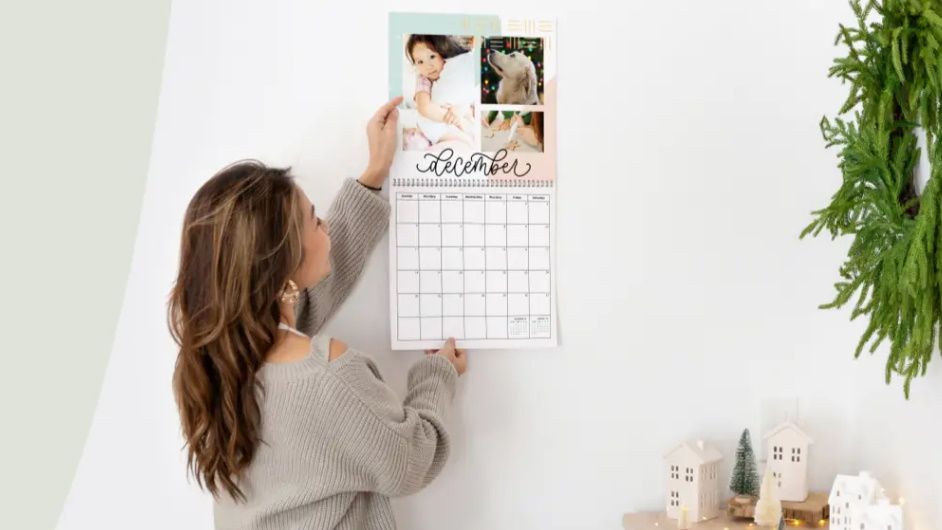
894 264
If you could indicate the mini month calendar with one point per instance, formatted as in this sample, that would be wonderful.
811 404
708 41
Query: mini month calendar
472 188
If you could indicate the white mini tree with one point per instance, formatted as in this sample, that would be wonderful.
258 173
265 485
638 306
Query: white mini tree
768 508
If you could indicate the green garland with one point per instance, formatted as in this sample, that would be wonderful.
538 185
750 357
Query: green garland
894 265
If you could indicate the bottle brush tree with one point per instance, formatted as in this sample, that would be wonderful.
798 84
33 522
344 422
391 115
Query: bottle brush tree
745 479
768 511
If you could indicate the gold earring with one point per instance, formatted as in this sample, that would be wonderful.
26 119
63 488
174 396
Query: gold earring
291 293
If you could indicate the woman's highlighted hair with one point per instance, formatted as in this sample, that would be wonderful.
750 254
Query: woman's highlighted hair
241 241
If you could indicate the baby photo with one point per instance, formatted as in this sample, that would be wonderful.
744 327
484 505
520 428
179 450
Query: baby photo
439 88
520 131
512 70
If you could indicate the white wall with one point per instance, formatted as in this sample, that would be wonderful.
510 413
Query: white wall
690 160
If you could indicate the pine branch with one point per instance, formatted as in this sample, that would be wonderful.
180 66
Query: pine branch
893 268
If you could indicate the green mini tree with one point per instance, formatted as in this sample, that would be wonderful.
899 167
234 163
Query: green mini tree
745 479
894 266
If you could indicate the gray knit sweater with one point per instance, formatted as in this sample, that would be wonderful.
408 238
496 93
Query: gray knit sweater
338 442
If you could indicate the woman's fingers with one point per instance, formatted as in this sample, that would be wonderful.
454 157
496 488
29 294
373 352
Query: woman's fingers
392 118
388 107
387 116
448 346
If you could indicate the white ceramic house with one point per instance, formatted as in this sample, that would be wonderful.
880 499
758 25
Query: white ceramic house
692 483
881 516
787 456
858 503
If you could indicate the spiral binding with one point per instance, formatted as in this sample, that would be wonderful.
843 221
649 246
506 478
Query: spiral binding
408 182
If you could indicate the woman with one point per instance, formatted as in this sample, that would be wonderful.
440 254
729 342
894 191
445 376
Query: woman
288 428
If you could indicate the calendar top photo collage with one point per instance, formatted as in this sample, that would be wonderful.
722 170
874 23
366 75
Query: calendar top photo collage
479 98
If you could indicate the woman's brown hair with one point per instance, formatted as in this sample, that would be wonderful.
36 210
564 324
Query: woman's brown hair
241 241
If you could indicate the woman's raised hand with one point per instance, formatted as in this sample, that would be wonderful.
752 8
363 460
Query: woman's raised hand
381 133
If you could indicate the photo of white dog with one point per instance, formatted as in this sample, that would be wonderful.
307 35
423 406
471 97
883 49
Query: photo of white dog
512 75
517 73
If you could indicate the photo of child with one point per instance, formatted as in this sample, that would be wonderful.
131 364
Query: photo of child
520 131
512 70
440 93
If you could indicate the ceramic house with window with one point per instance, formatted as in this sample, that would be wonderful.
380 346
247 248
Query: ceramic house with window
858 503
692 483
787 456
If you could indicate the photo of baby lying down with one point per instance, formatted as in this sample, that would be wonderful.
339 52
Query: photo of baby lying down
520 131
439 93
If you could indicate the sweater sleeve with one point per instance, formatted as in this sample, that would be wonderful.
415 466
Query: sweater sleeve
395 447
356 220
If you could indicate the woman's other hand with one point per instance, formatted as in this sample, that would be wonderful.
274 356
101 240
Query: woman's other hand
381 133
457 357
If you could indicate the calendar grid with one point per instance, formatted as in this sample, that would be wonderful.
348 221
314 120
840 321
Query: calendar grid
475 266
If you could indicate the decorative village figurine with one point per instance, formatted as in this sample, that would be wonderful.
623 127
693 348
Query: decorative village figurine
787 455
692 471
858 502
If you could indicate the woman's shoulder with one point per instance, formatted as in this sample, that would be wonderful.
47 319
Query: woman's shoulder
356 375
332 349
349 363
335 348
